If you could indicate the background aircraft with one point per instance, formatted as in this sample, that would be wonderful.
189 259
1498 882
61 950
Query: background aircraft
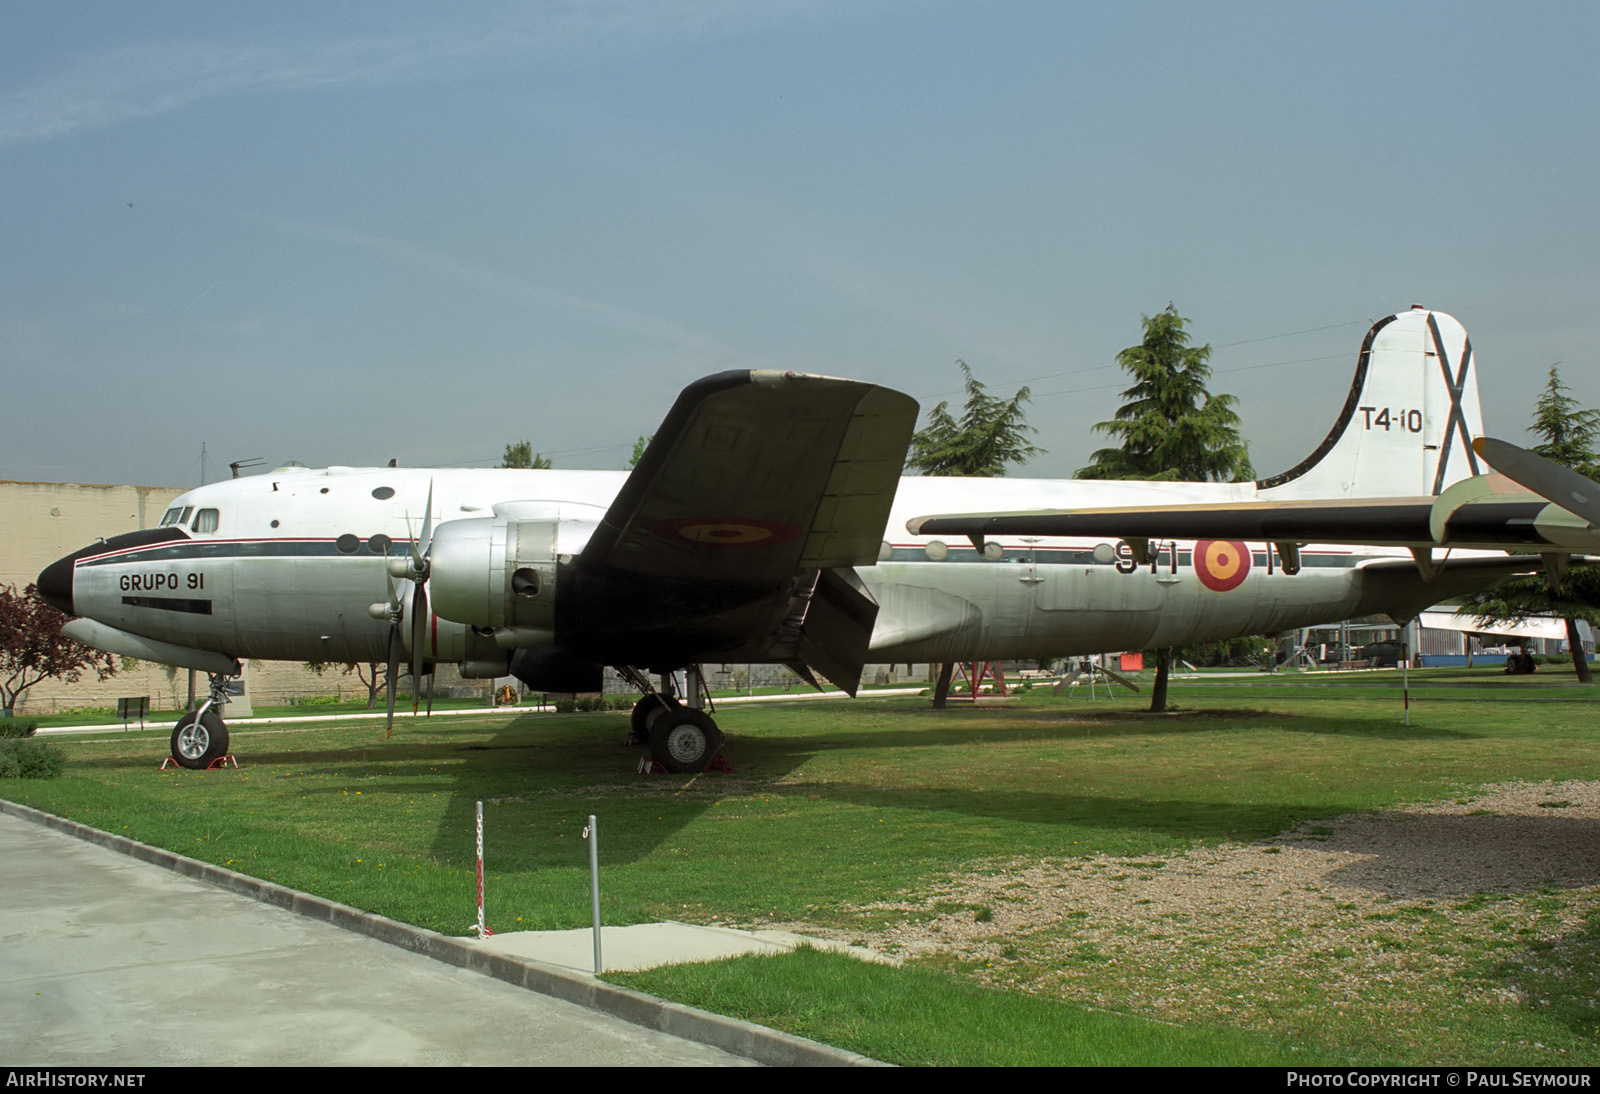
754 529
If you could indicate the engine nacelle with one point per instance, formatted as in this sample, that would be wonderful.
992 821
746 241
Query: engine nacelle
499 572
475 650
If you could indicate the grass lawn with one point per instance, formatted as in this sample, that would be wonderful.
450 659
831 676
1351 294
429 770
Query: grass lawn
842 815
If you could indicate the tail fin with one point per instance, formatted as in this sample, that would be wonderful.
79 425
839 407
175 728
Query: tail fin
1408 425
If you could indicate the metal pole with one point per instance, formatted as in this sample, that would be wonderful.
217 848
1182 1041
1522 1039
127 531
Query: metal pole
592 834
1405 671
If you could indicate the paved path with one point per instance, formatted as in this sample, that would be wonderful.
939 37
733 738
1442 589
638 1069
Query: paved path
107 961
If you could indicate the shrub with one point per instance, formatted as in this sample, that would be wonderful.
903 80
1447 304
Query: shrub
29 759
318 701
18 727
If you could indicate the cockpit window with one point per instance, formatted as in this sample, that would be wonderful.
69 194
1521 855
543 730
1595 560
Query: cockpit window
175 515
205 521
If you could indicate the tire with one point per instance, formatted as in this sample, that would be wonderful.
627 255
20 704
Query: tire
685 741
196 744
646 711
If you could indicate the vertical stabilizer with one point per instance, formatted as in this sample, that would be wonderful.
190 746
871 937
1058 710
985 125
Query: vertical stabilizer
1406 429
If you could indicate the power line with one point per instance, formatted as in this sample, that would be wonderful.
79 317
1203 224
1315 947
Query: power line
1220 345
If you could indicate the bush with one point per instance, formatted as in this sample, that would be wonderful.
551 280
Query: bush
18 727
29 759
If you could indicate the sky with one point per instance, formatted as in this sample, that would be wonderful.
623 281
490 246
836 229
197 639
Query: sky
341 234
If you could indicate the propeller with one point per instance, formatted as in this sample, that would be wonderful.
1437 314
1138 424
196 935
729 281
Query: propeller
1550 480
419 600
391 609
396 610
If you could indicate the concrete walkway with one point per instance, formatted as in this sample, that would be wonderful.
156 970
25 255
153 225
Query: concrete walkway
107 960
647 945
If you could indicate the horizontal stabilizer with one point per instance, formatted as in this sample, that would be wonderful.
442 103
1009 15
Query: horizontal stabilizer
1550 480
1487 512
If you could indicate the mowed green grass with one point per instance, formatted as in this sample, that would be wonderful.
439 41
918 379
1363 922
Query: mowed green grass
835 806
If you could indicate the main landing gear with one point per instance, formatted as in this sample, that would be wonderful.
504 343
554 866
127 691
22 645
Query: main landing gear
681 736
200 737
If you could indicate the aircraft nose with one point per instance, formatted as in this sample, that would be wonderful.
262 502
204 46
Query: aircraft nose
55 584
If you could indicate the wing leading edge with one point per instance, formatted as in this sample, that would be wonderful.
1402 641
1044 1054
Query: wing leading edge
756 475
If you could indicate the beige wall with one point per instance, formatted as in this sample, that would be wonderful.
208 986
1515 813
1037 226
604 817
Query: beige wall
45 520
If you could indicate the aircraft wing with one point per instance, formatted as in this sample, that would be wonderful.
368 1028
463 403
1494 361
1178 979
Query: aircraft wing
1485 512
736 533
758 475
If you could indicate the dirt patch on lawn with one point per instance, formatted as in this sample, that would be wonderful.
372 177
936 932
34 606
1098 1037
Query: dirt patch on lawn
1417 911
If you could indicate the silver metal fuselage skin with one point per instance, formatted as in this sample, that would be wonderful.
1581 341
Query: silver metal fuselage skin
292 568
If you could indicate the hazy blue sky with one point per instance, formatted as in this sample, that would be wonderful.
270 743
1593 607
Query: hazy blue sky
341 233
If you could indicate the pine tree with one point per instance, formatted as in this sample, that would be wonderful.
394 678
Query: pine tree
991 434
1569 433
1171 428
522 455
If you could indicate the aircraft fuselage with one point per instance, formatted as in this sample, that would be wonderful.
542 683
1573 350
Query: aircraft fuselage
287 566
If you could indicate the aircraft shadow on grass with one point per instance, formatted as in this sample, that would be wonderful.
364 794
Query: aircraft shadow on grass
584 769
554 775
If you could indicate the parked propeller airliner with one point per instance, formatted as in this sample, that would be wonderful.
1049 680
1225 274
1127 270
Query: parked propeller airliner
753 529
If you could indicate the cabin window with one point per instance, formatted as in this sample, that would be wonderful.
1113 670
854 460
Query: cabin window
347 544
205 521
378 544
383 493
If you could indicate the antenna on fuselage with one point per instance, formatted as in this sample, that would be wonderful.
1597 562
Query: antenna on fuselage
253 461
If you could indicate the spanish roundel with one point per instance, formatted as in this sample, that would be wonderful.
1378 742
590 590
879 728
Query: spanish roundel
727 531
1221 563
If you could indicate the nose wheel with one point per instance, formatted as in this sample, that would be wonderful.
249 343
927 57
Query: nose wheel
199 738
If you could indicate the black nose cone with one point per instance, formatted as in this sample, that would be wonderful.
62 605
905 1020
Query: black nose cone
55 583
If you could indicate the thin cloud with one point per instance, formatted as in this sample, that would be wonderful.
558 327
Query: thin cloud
599 313
142 80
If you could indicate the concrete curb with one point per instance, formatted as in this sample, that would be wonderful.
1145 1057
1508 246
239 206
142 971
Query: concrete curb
754 1042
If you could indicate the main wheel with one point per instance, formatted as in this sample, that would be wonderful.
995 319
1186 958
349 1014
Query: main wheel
199 739
684 740
646 711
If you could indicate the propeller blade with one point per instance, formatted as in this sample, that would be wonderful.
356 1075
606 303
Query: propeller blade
1550 480
431 675
1119 678
420 545
419 637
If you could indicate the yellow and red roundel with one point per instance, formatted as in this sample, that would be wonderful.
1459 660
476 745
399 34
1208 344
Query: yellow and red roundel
726 531
1221 563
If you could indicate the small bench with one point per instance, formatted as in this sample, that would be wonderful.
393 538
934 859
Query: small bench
131 707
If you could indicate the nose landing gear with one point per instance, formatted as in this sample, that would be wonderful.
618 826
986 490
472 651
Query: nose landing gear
200 738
